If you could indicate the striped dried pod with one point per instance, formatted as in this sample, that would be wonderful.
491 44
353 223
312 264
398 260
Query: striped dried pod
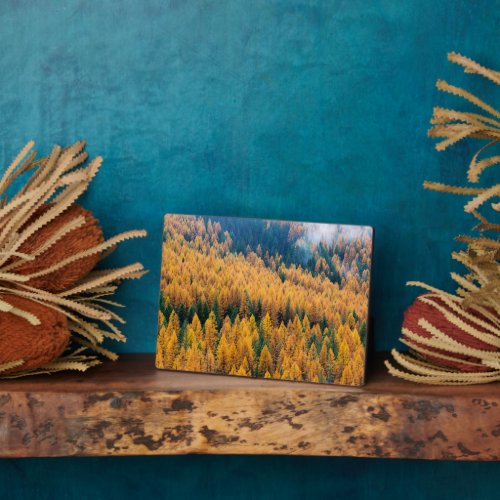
465 337
48 250
455 339
448 342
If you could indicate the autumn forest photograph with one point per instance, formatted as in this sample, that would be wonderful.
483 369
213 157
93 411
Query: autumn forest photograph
260 298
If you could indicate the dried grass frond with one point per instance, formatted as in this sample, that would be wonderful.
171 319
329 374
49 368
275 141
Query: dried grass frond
476 305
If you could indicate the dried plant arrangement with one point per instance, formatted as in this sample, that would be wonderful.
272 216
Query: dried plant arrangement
455 338
55 307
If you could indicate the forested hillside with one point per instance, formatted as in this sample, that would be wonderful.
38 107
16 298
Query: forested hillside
271 299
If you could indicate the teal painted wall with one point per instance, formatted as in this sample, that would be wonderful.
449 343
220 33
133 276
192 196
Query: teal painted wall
245 478
309 110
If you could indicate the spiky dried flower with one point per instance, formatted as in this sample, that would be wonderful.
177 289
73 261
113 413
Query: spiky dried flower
55 182
475 309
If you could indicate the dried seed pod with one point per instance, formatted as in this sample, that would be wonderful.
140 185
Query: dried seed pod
82 238
430 309
55 246
35 345
456 338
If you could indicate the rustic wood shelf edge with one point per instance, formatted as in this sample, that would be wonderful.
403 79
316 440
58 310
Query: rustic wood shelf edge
130 408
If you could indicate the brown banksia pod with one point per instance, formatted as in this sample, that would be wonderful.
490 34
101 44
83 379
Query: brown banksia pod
34 345
82 238
48 251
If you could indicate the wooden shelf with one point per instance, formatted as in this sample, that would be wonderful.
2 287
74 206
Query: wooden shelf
130 408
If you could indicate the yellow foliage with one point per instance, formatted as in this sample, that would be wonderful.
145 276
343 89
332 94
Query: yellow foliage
275 321
265 361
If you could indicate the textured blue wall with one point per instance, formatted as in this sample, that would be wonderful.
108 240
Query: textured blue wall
285 109
309 110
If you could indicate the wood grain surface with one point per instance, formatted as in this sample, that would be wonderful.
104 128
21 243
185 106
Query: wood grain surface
130 408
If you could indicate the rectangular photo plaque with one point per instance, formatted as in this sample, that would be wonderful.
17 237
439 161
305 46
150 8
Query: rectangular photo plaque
264 298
